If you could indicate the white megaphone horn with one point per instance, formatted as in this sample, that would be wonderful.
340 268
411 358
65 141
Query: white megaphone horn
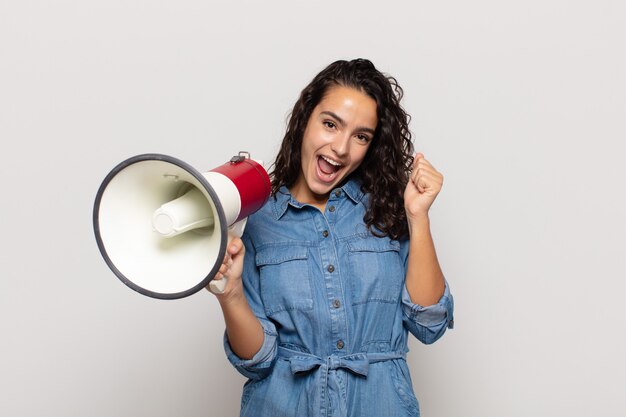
162 226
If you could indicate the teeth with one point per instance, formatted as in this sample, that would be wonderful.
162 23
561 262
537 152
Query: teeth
330 161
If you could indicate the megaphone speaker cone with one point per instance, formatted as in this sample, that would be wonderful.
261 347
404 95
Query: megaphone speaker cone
141 255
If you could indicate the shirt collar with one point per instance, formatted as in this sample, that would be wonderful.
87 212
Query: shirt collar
352 188
283 198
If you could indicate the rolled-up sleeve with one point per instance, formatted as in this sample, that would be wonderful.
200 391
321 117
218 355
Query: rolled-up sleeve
261 364
428 324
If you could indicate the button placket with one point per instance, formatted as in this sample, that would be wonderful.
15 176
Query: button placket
332 277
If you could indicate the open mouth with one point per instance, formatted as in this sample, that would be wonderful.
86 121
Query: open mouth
328 168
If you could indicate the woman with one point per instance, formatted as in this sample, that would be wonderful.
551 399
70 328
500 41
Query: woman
339 265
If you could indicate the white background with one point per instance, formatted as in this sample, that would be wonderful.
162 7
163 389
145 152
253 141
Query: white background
521 105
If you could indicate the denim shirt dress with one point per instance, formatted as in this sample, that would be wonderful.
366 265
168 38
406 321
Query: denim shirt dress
335 312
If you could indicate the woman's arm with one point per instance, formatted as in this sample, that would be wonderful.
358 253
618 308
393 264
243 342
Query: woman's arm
244 331
424 279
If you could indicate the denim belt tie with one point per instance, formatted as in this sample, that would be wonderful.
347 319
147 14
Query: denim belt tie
358 363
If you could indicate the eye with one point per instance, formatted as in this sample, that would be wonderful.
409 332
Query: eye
363 138
329 124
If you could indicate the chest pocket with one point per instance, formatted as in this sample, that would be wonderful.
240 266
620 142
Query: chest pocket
377 271
285 278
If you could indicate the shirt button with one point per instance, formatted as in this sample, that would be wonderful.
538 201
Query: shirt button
337 193
336 303
325 233
330 268
331 208
340 344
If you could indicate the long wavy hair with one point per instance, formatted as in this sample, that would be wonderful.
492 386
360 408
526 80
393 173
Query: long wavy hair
384 171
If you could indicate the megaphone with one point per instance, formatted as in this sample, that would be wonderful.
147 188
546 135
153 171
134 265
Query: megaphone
162 226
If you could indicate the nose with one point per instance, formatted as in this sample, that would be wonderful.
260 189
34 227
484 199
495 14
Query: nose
340 145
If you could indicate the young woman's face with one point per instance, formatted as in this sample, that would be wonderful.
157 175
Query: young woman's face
335 141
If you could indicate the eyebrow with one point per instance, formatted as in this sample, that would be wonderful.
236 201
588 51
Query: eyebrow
343 123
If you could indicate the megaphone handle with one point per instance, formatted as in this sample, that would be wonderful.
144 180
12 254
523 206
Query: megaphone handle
218 286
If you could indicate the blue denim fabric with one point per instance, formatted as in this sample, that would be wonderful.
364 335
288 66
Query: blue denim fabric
336 313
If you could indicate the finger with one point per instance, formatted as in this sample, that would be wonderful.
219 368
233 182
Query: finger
228 259
424 164
228 262
425 182
421 172
415 175
235 246
428 171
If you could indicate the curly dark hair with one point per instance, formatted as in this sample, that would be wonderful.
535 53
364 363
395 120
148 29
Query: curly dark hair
384 171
